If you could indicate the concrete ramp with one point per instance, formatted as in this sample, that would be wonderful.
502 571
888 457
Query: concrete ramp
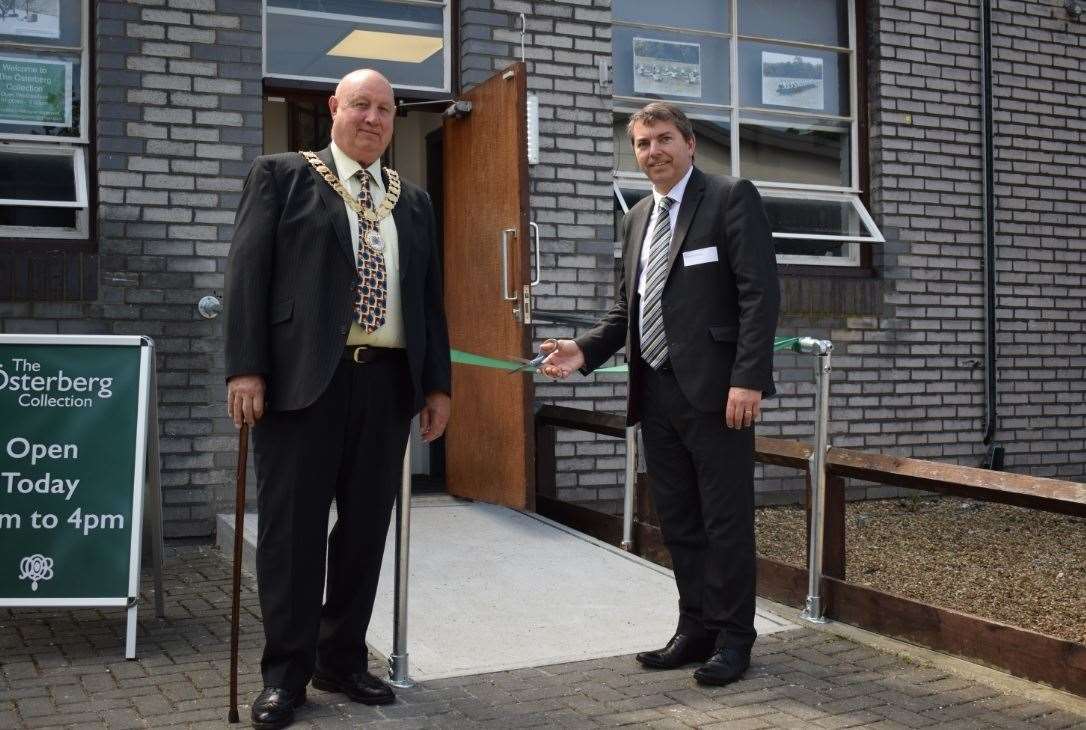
495 589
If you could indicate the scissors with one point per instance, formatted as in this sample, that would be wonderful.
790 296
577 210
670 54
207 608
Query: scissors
536 361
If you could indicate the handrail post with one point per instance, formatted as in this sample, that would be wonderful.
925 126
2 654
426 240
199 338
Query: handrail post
814 610
397 660
631 486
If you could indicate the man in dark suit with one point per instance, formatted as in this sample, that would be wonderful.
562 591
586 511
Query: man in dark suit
335 337
697 311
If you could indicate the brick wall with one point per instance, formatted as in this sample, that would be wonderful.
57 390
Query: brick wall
909 377
918 368
178 123
179 104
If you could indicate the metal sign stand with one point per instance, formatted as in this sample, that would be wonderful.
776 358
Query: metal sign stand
153 515
146 483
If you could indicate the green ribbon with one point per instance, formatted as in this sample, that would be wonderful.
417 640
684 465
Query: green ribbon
468 358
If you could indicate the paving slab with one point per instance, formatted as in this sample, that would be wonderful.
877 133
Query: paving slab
792 681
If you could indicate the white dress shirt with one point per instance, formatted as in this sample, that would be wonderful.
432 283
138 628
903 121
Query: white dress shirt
676 195
391 333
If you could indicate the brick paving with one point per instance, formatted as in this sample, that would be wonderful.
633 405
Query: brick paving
65 668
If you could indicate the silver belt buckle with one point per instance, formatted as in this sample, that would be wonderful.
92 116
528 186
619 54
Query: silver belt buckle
357 351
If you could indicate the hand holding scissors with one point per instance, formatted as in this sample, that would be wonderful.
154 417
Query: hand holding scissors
536 361
563 357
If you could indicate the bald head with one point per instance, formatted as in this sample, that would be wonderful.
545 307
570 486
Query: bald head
363 110
363 76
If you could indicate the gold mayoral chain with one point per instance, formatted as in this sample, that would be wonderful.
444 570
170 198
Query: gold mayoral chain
372 215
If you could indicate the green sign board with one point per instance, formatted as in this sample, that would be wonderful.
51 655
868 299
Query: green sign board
35 91
74 415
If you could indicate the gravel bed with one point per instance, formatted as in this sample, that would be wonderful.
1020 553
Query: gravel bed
1017 566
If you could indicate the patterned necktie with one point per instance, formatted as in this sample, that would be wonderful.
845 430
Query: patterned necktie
653 337
372 288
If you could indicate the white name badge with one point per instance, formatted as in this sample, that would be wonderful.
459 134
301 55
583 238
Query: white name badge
700 256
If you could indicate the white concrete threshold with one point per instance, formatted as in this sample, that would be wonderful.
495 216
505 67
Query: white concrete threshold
495 589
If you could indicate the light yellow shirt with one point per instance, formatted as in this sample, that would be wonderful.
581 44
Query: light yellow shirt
390 334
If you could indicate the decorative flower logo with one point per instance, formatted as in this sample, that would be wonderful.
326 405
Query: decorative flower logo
35 568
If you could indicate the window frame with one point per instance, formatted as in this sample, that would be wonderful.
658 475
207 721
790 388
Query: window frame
277 79
83 51
80 183
82 149
81 204
735 112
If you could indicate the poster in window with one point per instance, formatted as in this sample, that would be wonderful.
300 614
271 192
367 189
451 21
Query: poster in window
666 68
35 91
794 81
30 18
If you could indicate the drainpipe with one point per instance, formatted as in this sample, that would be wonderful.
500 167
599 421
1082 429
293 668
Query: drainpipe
994 457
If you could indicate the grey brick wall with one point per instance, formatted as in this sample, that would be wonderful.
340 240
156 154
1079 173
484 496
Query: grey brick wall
908 380
916 368
178 122
1040 66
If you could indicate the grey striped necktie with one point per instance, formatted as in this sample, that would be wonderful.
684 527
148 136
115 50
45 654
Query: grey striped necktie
653 337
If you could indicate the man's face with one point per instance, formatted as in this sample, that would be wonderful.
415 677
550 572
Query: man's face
363 111
662 153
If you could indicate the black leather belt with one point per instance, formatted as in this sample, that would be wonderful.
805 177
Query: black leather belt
364 354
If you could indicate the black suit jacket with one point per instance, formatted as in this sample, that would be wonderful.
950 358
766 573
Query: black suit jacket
290 284
720 316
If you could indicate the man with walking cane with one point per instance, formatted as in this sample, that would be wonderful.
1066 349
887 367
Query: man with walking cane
335 337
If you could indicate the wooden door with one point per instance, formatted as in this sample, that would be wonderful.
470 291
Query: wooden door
489 449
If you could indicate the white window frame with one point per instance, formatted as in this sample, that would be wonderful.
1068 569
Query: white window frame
40 144
80 204
446 50
829 195
848 193
83 51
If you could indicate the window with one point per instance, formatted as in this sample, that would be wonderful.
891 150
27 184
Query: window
43 120
322 40
770 86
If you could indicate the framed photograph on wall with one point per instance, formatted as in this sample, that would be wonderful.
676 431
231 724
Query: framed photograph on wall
795 81
667 68
30 18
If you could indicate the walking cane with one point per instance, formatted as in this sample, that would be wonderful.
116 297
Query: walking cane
239 537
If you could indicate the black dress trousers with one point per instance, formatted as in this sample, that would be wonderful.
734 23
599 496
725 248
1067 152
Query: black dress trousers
348 445
701 477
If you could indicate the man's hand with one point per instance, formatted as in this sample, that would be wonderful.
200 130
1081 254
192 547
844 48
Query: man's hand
245 399
434 416
744 406
563 359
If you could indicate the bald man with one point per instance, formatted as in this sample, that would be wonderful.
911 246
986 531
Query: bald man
335 338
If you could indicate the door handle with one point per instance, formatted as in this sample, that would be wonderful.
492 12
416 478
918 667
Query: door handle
538 259
507 233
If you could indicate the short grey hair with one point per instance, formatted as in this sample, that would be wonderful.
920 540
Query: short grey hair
661 111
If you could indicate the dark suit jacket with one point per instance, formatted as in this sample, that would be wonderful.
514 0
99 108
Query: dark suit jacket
720 317
290 284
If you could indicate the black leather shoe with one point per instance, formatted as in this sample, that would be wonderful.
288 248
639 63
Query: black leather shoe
361 687
274 707
726 666
681 650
